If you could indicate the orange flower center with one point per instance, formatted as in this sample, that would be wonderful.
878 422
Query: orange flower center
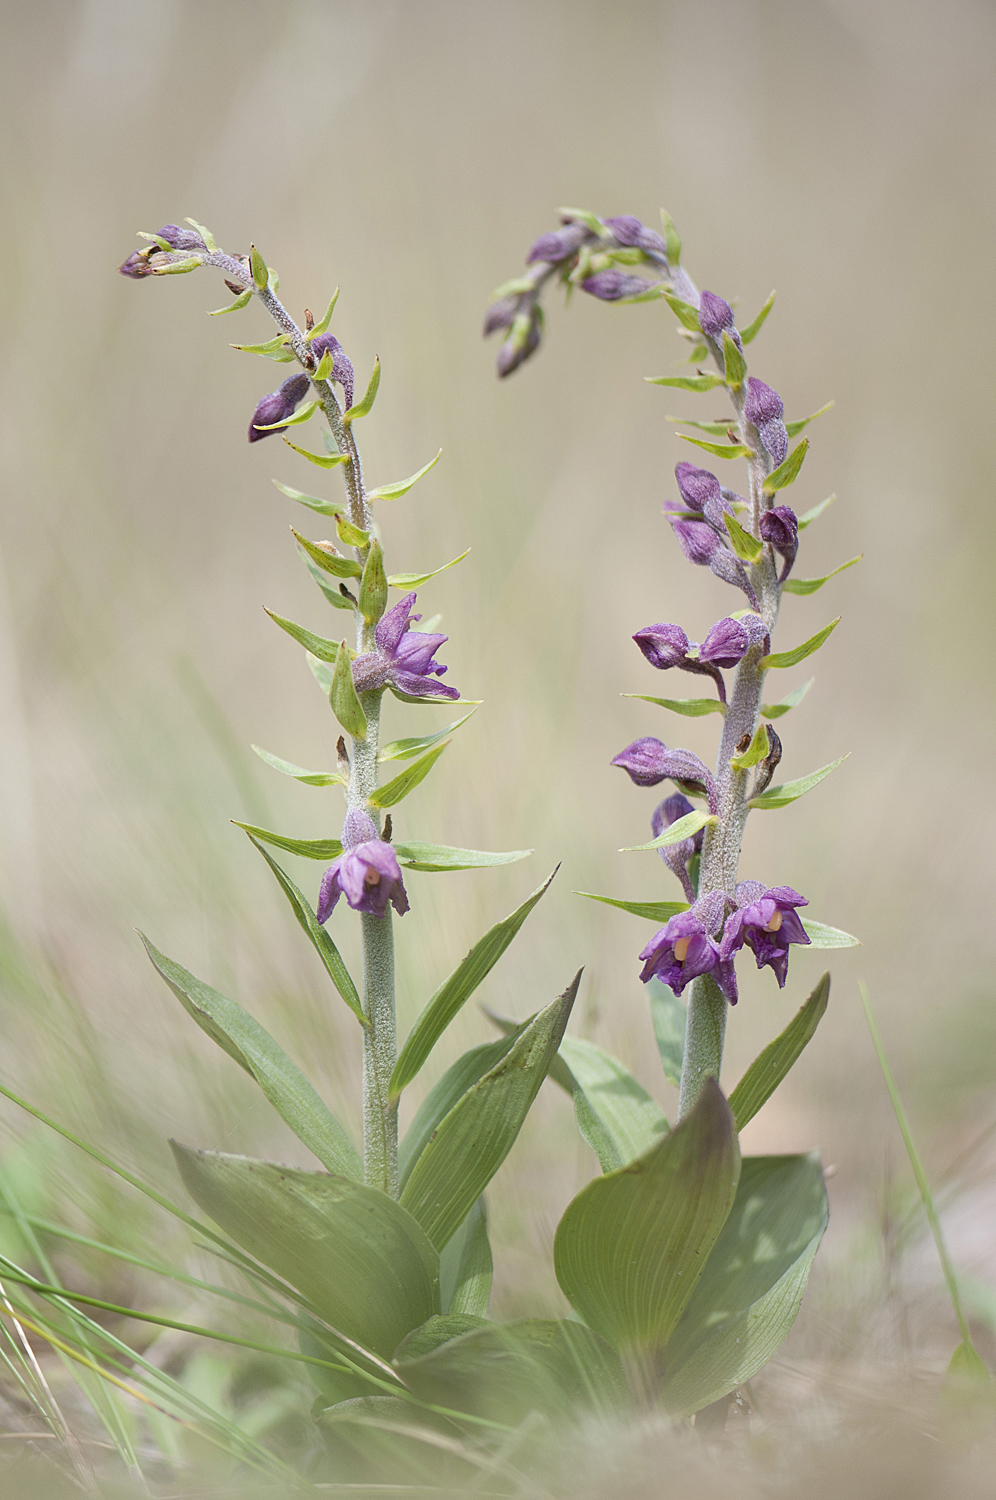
775 923
372 877
681 949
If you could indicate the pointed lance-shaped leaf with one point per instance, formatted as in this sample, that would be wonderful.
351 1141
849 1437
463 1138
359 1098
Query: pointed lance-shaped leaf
322 325
178 267
790 791
455 991
204 233
460 1076
747 547
393 791
439 858
756 751
405 749
615 1114
286 1087
718 450
363 407
684 828
791 700
318 645
373 585
691 708
654 911
686 383
326 367
328 560
780 659
343 696
686 314
240 302
809 516
810 585
794 428
323 849
339 597
788 472
323 461
305 414
257 266
272 349
821 936
714 429
770 1067
733 363
309 778
402 486
748 334
672 239
350 535
321 507
407 581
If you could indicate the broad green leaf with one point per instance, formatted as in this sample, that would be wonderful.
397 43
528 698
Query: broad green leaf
770 1067
669 1015
439 858
794 428
240 302
692 708
788 471
809 516
504 1372
758 750
791 700
324 461
471 1142
373 585
343 696
615 1114
465 1266
631 1246
320 940
260 271
322 507
415 580
402 486
329 561
286 1087
684 828
322 325
810 585
718 450
305 414
273 348
360 1260
686 382
444 1095
338 596
788 791
821 936
454 992
363 407
323 849
799 653
734 363
438 1330
747 547
672 239
654 911
318 645
405 749
393 791
310 778
687 315
749 1293
350 535
748 334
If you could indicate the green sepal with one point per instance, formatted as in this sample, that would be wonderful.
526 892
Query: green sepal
669 1016
770 1067
746 547
178 267
405 749
440 858
318 645
794 428
204 233
791 700
252 1047
401 486
350 535
734 363
310 778
718 450
416 580
319 938
756 751
790 791
615 1115
810 585
780 659
684 828
373 585
322 326
440 1009
654 911
754 328
363 407
243 300
323 849
343 696
393 791
692 708
257 266
329 562
304 415
809 516
672 239
321 507
686 314
686 382
583 216
822 936
275 348
788 472
324 461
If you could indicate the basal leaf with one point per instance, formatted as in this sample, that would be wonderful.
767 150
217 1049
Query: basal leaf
810 585
310 778
450 1089
791 700
323 849
405 749
779 659
393 791
465 1267
286 1087
415 580
789 791
615 1114
402 486
654 911
438 858
684 828
821 936
454 992
322 507
669 1015
692 708
770 1067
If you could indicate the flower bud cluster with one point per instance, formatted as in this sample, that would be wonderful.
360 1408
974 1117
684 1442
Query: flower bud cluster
137 264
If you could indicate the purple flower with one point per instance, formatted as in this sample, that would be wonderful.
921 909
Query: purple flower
648 762
558 244
696 486
522 341
500 314
629 231
765 409
682 950
716 318
277 406
697 541
342 369
676 856
367 872
137 264
780 529
726 644
766 921
613 285
663 645
404 657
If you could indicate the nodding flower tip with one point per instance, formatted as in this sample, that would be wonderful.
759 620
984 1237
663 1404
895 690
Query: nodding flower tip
367 872
277 407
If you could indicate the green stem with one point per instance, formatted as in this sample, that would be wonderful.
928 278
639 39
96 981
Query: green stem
705 1029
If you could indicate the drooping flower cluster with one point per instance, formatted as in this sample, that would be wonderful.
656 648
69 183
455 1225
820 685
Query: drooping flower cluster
404 658
367 872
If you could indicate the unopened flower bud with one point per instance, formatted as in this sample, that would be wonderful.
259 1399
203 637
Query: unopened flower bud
500 315
780 529
613 285
181 239
648 762
697 541
664 646
523 339
676 856
559 244
716 318
277 407
726 643
629 231
731 570
342 368
765 409
696 486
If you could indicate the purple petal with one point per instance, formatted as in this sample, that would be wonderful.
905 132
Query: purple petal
421 687
393 625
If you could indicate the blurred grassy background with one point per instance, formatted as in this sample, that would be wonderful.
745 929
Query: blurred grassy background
411 152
